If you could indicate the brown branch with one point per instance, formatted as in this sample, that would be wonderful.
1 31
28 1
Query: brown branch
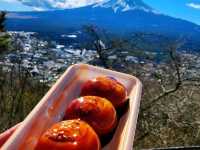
165 93
173 57
100 53
176 64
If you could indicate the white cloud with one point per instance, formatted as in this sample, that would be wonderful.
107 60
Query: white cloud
38 9
194 5
9 1
56 4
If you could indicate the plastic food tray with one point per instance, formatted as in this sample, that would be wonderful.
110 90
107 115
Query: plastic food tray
52 107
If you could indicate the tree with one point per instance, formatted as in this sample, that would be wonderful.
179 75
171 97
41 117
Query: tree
2 20
170 102
106 45
96 42
4 37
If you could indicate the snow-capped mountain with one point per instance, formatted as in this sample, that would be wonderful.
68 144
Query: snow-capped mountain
122 5
125 5
115 16
68 4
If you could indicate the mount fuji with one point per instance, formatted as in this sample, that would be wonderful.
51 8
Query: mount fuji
125 5
115 16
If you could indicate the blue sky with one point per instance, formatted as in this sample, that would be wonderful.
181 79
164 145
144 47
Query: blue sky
185 9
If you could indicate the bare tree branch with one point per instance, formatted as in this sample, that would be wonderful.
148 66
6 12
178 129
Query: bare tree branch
174 60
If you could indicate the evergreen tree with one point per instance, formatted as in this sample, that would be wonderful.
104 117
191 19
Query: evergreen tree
4 37
2 20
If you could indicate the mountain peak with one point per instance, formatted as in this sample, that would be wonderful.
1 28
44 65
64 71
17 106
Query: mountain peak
125 5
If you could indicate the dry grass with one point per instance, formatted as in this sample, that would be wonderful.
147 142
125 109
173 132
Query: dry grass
19 93
173 121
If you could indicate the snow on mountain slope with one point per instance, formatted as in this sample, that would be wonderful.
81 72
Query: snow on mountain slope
125 5
122 5
132 16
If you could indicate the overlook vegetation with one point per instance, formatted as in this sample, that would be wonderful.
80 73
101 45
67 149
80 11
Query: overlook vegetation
19 92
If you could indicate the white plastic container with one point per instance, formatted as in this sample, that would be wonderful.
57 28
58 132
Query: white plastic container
52 107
